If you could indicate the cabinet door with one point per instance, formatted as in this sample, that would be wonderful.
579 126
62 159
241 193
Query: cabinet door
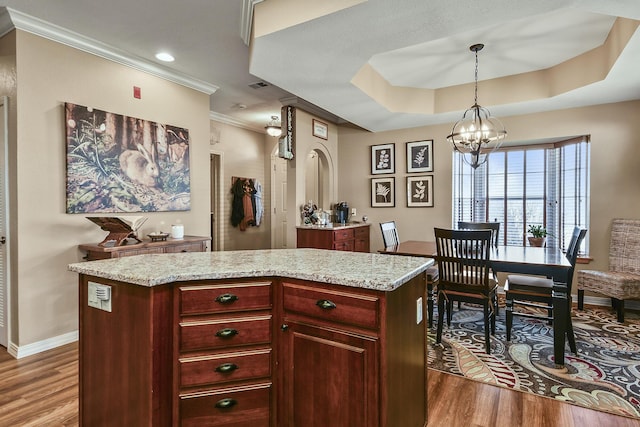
335 380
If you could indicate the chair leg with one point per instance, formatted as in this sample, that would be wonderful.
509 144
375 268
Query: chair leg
493 322
570 335
580 299
430 304
441 315
487 341
509 316
449 312
620 309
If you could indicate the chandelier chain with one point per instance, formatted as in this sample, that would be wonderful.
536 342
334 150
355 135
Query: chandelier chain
475 100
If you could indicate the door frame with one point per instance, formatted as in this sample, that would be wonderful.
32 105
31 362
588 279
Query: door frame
4 181
217 240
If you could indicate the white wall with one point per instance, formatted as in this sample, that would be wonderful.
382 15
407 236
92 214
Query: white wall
615 171
45 238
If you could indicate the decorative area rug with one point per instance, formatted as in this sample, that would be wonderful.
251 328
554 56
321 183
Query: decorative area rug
604 375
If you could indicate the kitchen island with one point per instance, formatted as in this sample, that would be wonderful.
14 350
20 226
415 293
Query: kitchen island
299 337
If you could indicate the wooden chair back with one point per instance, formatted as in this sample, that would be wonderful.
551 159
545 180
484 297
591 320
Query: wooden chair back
493 226
572 252
463 259
389 233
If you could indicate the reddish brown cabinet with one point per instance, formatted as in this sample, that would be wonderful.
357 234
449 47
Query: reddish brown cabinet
253 352
354 238
224 354
351 356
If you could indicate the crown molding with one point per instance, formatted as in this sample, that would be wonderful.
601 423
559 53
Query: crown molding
246 22
58 34
235 122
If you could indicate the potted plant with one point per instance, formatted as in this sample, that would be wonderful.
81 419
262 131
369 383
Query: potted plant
538 235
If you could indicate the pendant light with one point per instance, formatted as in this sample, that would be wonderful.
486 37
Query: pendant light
477 134
273 127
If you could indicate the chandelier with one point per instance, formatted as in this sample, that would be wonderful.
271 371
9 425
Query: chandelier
273 127
477 134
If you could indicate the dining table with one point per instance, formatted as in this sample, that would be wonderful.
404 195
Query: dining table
542 261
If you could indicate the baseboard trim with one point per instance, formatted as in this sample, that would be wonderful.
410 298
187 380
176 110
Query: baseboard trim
38 347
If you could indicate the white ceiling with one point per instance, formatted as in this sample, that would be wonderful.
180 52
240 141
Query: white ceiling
411 43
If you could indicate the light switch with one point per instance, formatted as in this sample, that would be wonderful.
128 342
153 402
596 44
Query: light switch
419 311
99 296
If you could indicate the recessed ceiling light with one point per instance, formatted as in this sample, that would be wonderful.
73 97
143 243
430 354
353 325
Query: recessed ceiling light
164 56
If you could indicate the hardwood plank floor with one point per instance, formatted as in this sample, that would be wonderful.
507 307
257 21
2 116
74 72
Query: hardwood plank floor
42 390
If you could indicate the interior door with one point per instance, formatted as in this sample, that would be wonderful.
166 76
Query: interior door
4 233
279 202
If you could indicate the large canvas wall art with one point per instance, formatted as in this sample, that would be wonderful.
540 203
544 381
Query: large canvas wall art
117 163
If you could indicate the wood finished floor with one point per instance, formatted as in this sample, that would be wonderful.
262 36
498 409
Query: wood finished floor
42 390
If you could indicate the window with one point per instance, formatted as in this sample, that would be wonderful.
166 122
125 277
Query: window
542 184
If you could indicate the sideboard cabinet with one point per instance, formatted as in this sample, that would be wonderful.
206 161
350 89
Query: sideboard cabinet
353 238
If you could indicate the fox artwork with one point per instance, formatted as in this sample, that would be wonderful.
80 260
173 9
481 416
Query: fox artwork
117 163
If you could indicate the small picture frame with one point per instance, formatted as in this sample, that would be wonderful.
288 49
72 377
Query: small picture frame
320 129
383 159
420 191
383 192
420 156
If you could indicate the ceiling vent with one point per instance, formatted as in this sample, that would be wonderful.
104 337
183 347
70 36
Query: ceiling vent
258 85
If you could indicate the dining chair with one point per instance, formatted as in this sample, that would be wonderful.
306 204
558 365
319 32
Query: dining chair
495 231
622 280
463 265
493 226
390 238
389 233
536 292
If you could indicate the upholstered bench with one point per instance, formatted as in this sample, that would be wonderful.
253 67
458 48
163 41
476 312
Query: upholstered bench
622 281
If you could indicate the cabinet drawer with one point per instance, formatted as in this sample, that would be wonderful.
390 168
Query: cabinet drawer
187 247
343 234
132 252
361 232
343 307
212 334
343 246
232 407
203 299
221 368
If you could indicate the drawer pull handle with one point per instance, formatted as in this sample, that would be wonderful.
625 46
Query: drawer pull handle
226 298
325 304
226 368
226 333
226 403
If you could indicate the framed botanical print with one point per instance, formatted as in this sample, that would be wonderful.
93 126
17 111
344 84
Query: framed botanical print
383 192
420 191
420 156
383 159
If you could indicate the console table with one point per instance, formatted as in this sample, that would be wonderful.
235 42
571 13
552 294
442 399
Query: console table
187 244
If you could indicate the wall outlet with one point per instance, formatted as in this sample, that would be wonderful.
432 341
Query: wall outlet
353 212
419 311
99 296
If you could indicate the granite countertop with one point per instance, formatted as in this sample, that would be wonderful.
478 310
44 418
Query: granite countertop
335 225
361 270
